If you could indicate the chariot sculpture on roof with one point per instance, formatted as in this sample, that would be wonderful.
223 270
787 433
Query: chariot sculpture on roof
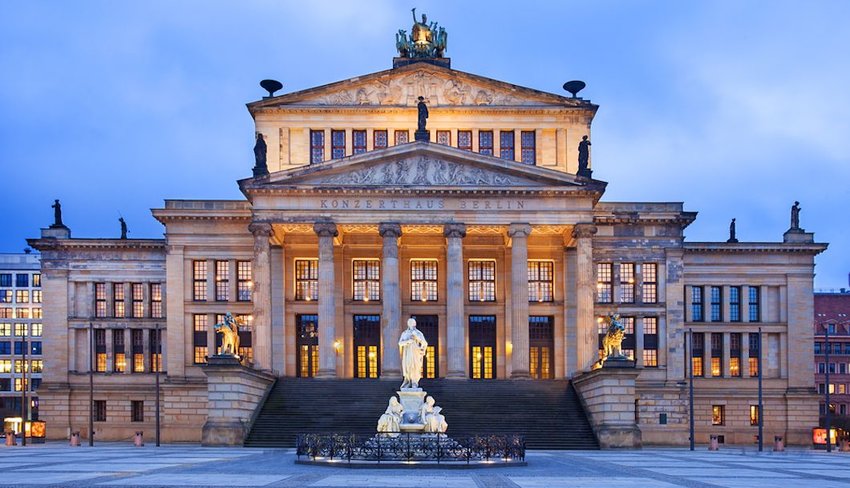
425 40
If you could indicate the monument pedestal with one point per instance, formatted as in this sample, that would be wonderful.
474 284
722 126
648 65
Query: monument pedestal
608 395
422 135
412 401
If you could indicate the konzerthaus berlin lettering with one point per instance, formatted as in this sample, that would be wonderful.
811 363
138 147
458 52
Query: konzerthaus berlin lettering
487 232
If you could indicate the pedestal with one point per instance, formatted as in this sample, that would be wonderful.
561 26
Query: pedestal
412 401
422 135
608 394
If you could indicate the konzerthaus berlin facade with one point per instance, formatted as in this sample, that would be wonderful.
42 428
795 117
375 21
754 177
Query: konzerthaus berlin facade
485 233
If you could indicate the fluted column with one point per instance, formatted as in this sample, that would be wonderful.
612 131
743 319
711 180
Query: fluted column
585 289
327 305
456 331
519 299
391 302
261 296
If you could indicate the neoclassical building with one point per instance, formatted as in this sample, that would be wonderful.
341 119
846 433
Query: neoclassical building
486 232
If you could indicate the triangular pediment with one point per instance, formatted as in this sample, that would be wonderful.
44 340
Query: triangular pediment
402 86
423 165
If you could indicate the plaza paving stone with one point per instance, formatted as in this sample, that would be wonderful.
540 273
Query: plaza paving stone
184 465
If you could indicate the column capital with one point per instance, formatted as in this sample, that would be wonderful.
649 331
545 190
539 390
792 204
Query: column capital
325 229
584 230
260 229
519 230
390 229
454 230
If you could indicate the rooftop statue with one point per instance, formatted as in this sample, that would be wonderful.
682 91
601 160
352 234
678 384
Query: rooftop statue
732 232
795 216
425 40
584 157
57 214
260 149
123 227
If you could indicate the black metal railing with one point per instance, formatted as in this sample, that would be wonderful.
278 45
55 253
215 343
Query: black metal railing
411 447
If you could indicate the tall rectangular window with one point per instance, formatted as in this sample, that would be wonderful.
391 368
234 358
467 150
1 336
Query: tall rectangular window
137 409
423 280
138 350
697 348
401 137
118 300
464 140
137 291
244 281
506 144
358 142
337 144
696 304
754 414
36 280
444 137
482 281
317 146
245 324
199 281
755 350
222 280
604 285
485 142
119 354
755 313
380 140
716 354
100 410
306 279
716 304
199 338
6 296
735 354
366 274
718 415
628 344
156 300
541 279
22 280
627 282
528 145
100 299
100 350
735 304
650 342
6 279
649 286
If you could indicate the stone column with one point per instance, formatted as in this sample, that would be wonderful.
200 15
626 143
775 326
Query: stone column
455 329
586 337
391 301
327 304
519 299
261 270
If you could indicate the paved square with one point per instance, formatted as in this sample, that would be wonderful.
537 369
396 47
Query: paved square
180 465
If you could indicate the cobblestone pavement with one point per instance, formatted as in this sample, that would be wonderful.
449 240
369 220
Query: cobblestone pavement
180 465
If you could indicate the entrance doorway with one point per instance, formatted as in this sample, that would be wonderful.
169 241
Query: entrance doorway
541 340
367 346
307 342
429 326
482 347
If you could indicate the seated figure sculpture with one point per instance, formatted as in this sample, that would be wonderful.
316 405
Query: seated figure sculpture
390 421
432 418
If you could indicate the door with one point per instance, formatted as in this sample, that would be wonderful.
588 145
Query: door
307 342
482 347
429 326
367 346
541 342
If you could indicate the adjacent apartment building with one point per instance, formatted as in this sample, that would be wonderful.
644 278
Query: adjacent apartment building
832 313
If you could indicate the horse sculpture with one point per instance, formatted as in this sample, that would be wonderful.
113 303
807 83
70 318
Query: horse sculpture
230 336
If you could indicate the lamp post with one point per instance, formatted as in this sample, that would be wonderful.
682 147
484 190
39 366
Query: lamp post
761 402
827 420
24 385
689 338
91 384
158 364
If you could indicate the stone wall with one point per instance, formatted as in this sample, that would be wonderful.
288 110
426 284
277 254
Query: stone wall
608 395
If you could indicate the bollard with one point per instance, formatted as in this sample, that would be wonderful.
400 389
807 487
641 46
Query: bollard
10 438
778 444
75 438
712 443
845 444
139 441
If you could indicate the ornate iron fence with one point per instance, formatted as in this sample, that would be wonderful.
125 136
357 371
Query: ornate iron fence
411 447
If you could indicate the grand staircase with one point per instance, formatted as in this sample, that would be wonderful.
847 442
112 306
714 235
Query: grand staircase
548 413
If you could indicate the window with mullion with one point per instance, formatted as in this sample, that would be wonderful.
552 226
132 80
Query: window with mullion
199 281
401 137
317 146
444 137
118 300
604 285
366 274
735 304
156 300
716 304
423 280
528 147
649 285
244 277
100 299
627 282
380 139
485 142
306 279
755 314
482 281
506 144
138 295
650 342
337 144
464 140
358 141
541 276
222 280
696 304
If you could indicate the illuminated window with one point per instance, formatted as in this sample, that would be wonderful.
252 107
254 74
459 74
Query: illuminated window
528 145
506 144
36 313
306 279
118 300
380 139
245 324
627 282
244 281
138 351
485 142
6 296
464 140
482 281
366 274
604 286
22 313
755 314
754 414
337 144
6 329
199 281
7 313
19 382
649 286
696 304
222 280
317 146
541 276
401 137
358 142
21 330
697 348
716 354
199 338
718 415
650 358
735 303
100 299
37 365
755 350
22 296
5 365
100 410
36 280
137 292
444 137
100 350
650 342
36 296
156 300
423 280
137 408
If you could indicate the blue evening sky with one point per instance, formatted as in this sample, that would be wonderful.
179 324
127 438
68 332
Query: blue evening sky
736 108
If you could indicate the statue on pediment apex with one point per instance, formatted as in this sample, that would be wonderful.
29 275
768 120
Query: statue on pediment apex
425 40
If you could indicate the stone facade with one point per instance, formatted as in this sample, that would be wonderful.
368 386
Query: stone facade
484 233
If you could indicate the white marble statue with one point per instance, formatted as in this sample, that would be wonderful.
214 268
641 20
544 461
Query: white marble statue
412 346
390 421
432 418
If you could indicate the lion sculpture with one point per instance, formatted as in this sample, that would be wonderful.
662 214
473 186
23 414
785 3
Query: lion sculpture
230 336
